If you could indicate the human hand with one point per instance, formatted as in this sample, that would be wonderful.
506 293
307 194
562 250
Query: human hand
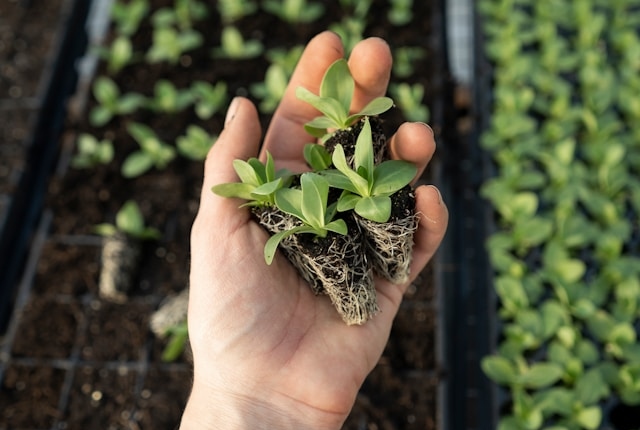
267 352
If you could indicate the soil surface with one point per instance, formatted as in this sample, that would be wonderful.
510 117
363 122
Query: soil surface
80 362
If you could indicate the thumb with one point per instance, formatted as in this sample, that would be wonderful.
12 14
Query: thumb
240 139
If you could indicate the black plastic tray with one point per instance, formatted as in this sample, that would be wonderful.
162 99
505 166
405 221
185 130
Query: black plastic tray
21 209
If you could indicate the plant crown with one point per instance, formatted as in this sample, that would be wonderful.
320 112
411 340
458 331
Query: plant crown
334 101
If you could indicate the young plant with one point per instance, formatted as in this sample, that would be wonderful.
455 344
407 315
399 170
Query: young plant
409 98
111 102
294 11
178 337
258 182
233 10
126 17
167 98
234 46
92 152
309 205
401 12
367 187
121 251
182 15
208 99
334 101
170 44
117 55
271 90
196 143
404 58
129 221
152 153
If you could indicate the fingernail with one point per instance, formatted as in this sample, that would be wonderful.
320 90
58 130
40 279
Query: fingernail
231 111
428 127
437 192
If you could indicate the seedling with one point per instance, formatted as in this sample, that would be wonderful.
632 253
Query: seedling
126 17
401 12
118 55
258 182
271 90
368 187
404 58
294 11
309 205
129 220
208 99
196 143
233 10
183 15
409 98
112 102
170 44
152 153
92 152
234 46
167 98
334 101
121 251
178 336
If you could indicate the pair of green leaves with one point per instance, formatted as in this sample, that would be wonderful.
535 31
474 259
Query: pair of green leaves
334 101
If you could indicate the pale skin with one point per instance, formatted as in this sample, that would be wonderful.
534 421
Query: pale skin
268 353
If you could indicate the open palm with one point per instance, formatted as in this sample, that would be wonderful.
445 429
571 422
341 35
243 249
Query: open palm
268 353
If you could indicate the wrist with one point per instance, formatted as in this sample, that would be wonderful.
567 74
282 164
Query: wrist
209 409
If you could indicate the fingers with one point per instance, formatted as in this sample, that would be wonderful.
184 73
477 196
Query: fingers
434 218
239 139
413 142
370 64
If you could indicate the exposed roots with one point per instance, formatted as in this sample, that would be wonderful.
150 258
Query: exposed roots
120 257
336 265
390 245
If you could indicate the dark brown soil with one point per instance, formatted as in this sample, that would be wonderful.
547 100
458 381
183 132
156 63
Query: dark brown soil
79 362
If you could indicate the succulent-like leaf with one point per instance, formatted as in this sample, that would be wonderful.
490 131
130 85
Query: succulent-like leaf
317 156
376 208
289 201
234 189
246 172
363 157
338 84
391 176
340 162
315 190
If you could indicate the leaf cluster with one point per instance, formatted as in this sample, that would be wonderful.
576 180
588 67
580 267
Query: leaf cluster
129 220
566 198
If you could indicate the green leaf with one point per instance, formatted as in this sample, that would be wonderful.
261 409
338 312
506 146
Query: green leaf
347 202
129 218
105 90
338 84
272 244
268 188
340 162
234 189
136 164
315 190
376 208
499 369
363 157
338 226
317 156
290 201
540 375
339 180
376 107
246 172
589 418
391 176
